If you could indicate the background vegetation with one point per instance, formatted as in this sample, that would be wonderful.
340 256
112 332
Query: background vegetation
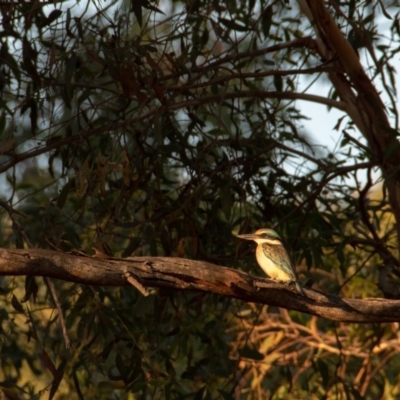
145 128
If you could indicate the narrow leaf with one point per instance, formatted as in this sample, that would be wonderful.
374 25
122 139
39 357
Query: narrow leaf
233 25
266 20
62 197
31 288
16 304
278 83
48 363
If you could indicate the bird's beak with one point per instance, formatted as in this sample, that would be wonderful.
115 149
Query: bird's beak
249 236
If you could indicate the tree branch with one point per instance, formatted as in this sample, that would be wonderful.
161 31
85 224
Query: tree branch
254 75
364 104
259 94
307 41
183 274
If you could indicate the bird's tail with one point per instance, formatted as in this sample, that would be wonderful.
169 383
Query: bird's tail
299 288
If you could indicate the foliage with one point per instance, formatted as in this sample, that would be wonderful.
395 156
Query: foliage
161 129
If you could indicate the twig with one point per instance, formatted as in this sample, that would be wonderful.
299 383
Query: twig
50 286
135 283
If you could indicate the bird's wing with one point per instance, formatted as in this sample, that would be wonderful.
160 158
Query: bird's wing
280 257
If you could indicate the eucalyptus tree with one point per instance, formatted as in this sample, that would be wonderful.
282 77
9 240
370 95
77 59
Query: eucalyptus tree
138 138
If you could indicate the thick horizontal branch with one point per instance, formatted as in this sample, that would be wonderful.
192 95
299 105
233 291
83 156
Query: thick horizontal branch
183 274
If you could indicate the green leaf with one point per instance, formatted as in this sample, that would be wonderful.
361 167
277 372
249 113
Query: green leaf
16 304
132 246
136 7
32 328
31 288
68 78
199 395
57 378
225 193
8 59
2 122
233 25
62 197
266 20
323 370
278 83
252 354
52 17
33 115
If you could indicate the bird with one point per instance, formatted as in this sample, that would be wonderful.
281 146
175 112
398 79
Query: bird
272 256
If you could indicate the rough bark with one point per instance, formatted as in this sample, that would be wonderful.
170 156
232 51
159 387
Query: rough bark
183 274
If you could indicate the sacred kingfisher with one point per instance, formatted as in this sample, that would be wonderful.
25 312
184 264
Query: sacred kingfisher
272 256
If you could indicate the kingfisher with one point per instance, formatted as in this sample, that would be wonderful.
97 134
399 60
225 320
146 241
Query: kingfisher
272 256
